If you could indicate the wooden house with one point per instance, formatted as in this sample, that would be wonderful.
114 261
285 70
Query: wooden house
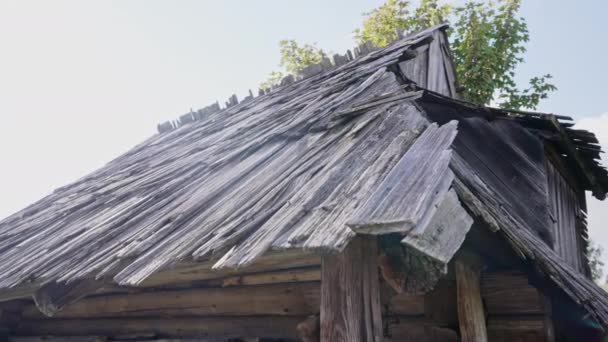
360 201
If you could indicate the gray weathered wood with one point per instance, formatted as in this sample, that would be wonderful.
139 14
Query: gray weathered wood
406 200
445 232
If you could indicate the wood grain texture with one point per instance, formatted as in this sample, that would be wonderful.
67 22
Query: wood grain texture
509 293
277 299
350 294
219 327
418 330
445 232
471 315
406 200
565 212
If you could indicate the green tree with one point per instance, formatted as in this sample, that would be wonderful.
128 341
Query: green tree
594 255
487 38
383 23
294 57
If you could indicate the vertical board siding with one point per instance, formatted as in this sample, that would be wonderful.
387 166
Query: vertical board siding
565 207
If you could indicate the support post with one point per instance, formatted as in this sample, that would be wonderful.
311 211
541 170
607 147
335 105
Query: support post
350 294
548 319
471 316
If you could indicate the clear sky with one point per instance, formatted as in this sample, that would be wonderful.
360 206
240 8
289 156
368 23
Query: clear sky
83 81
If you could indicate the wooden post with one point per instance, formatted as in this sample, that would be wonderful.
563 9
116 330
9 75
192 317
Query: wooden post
350 294
471 316
548 319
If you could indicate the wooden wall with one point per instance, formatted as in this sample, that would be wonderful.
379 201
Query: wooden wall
565 215
263 305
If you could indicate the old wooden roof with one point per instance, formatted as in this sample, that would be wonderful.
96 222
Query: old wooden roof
357 148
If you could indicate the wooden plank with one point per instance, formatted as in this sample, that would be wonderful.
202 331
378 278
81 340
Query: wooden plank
437 80
218 327
350 294
445 232
407 198
471 314
275 299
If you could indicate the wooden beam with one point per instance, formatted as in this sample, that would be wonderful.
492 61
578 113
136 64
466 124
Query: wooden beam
350 294
277 299
471 316
216 327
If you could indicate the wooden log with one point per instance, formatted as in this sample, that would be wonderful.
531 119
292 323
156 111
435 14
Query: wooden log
418 329
509 293
202 271
520 324
216 327
277 299
471 316
286 276
406 304
53 297
350 295
58 339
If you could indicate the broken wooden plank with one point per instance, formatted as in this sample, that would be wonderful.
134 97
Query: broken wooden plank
445 232
407 198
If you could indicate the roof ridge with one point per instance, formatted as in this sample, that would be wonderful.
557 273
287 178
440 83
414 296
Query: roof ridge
326 64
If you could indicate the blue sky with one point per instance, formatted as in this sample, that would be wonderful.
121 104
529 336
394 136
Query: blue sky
83 81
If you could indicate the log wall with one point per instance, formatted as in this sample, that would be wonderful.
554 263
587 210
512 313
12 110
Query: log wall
271 306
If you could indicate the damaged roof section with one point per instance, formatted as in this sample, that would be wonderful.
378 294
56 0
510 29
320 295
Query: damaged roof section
277 172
